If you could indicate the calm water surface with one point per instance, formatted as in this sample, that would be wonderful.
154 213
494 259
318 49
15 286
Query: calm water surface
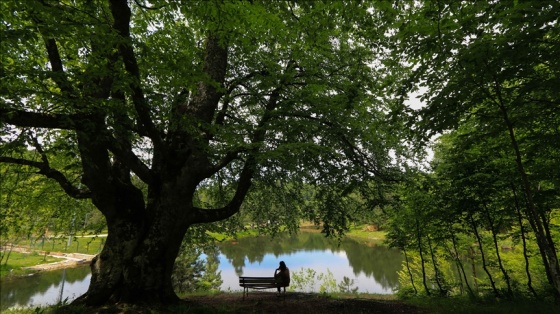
373 267
44 288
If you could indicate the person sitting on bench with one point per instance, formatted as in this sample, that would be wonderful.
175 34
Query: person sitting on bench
282 275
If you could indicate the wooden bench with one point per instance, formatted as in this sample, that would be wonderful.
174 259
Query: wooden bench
258 283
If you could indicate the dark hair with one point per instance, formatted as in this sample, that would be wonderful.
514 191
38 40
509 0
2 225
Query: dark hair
282 265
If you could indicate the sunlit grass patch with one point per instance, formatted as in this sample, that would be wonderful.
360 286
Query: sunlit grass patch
241 234
362 232
83 245
17 261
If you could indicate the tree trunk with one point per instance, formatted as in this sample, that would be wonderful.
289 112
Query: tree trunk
460 267
497 250
473 266
423 263
143 241
438 276
482 255
525 251
136 263
409 271
545 243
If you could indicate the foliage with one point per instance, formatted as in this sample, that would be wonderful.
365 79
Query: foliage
486 71
345 286
307 280
35 212
461 241
193 274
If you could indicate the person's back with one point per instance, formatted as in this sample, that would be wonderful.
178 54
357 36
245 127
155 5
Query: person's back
282 273
285 276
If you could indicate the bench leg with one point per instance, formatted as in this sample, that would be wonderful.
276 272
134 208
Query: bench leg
282 292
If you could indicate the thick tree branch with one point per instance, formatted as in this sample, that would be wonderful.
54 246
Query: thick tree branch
246 176
192 116
209 91
40 150
201 215
45 169
121 15
58 75
127 157
220 117
22 118
54 57
208 94
229 157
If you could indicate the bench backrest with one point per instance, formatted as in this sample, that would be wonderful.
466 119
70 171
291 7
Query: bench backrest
257 280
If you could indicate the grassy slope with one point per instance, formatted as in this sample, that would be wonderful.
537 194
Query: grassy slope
17 261
84 245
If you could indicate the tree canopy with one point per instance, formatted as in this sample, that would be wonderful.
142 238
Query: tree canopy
155 102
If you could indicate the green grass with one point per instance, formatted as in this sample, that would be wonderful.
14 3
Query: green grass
17 261
84 245
242 234
358 232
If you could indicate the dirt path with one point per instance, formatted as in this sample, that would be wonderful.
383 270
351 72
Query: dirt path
300 303
70 259
264 303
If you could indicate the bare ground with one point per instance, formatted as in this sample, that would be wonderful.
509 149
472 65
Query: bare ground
296 303
261 302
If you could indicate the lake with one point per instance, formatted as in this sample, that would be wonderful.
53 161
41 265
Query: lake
373 267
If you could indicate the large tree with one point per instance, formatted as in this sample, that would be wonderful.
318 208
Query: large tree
156 100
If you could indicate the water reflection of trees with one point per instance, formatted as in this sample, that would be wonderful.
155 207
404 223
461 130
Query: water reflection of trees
22 290
378 262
